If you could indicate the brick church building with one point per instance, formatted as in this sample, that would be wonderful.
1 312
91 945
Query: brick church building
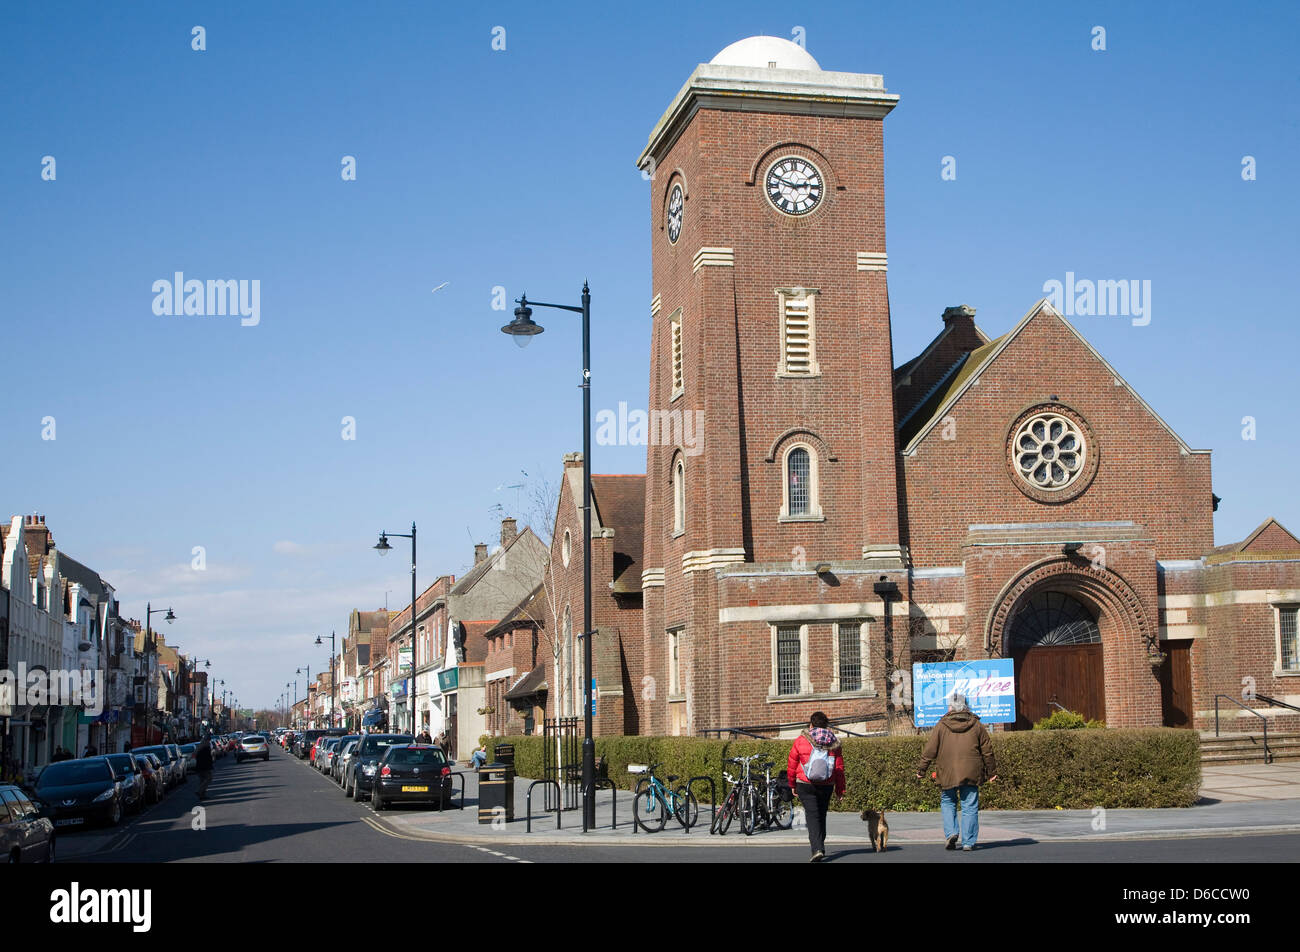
832 518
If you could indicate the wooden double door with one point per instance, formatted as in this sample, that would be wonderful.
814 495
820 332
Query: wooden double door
1070 675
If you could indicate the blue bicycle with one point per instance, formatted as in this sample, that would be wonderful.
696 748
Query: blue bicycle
654 802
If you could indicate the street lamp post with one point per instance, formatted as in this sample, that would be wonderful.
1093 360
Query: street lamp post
305 707
319 642
151 649
383 548
521 329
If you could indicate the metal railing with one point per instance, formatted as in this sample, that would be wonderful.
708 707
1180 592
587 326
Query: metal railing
460 776
1228 697
759 731
1274 702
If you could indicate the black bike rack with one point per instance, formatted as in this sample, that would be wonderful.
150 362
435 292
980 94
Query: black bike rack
713 797
598 784
461 777
528 803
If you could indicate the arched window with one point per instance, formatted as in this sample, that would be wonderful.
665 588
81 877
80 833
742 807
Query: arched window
800 493
679 497
566 548
1053 618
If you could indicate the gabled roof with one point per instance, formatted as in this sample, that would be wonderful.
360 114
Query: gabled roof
979 360
474 575
620 505
531 611
1277 540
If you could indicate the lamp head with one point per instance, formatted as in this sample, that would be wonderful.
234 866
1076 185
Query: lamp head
522 328
382 547
169 617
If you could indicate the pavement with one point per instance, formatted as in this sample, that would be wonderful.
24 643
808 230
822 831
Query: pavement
1236 801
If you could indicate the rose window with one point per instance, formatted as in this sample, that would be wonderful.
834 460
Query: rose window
1049 451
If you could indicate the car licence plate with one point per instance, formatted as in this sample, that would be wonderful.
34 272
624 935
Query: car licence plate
415 790
70 821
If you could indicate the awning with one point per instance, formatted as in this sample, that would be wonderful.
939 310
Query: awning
534 682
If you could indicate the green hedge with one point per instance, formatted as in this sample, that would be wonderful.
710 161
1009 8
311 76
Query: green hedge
1069 769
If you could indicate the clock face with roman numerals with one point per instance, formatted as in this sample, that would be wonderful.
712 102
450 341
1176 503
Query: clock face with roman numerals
675 210
794 185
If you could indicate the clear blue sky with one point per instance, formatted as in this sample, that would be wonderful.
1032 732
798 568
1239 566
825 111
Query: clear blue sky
483 168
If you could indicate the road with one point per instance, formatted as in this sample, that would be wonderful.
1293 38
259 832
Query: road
283 811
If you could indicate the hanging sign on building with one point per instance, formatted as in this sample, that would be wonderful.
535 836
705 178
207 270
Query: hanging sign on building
988 684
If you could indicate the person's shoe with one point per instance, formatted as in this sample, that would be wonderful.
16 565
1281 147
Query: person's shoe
967 849
817 857
952 842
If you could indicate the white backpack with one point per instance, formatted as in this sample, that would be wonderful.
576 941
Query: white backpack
820 766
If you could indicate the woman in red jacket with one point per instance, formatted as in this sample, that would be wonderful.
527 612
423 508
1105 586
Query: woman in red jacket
816 769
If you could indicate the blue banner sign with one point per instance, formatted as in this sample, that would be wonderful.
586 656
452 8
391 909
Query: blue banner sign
988 684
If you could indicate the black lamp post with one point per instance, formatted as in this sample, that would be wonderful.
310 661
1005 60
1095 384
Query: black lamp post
150 648
295 690
319 642
383 548
522 329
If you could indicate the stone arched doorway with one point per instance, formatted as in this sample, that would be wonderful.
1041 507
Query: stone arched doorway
1055 642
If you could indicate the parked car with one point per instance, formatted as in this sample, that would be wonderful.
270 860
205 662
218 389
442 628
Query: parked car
188 751
180 760
360 778
78 791
155 783
325 753
133 783
307 740
344 758
170 762
413 773
332 761
25 835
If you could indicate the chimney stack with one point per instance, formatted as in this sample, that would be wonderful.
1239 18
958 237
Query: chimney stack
480 552
961 311
573 460
509 530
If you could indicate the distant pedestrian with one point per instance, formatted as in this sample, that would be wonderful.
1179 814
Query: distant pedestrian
424 737
60 754
91 751
816 770
203 764
479 757
962 753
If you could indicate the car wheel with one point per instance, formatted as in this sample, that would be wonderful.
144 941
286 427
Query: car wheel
115 813
49 850
356 791
378 801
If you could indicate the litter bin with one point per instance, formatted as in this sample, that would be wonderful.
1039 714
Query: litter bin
496 792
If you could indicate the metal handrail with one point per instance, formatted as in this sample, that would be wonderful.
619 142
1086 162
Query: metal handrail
1274 702
528 803
1229 697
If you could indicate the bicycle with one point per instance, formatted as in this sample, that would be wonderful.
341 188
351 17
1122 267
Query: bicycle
741 800
654 802
771 805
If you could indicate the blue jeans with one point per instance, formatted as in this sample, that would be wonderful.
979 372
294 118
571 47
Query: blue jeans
477 759
970 813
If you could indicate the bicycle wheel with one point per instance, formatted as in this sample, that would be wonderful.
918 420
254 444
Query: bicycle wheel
686 807
783 814
650 811
727 812
748 812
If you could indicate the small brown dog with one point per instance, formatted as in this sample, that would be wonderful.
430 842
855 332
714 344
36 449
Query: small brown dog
877 829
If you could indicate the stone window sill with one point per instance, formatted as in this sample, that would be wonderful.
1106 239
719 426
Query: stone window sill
817 517
823 696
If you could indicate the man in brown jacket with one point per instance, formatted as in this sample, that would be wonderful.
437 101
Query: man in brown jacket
962 754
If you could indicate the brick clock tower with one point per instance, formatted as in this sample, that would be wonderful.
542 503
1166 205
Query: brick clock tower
771 481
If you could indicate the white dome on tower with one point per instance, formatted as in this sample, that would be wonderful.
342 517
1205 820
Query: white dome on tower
764 52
